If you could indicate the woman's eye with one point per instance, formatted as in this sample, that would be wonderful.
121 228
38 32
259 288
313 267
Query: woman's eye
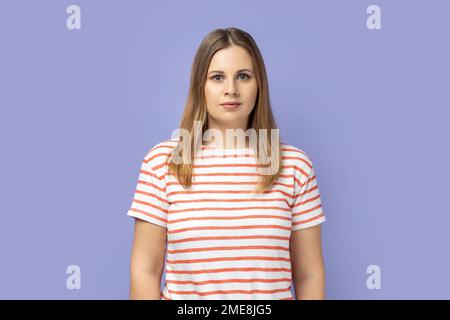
215 77
244 74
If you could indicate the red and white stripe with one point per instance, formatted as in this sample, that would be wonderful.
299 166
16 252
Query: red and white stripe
225 241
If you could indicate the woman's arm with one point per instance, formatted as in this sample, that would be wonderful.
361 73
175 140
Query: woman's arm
147 260
308 270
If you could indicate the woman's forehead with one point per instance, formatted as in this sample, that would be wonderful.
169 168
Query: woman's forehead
231 59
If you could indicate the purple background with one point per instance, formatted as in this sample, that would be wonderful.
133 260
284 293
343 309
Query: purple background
80 108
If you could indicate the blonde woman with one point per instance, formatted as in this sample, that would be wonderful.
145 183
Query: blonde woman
231 230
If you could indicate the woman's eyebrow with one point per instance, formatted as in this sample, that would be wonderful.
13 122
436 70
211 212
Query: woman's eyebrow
219 71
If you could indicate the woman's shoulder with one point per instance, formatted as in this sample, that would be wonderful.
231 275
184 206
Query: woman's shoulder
292 150
296 156
157 155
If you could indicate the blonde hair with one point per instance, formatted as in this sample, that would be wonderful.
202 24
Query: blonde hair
195 109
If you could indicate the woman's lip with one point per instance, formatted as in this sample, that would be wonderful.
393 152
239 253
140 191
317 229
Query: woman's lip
233 105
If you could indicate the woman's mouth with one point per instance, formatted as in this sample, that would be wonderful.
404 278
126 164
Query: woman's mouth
233 105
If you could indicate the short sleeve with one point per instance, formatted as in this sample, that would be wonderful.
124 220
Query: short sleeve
150 199
307 208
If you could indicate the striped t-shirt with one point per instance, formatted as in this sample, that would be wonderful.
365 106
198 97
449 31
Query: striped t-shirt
224 241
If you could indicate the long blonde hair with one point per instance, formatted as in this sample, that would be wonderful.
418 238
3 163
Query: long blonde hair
195 109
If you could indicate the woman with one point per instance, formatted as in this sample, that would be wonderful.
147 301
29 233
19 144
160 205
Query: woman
230 230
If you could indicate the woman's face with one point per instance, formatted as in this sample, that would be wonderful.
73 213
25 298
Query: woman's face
230 77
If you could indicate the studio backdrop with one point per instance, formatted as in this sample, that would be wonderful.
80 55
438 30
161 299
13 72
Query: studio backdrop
88 87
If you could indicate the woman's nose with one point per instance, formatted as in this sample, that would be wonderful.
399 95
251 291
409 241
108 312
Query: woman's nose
231 88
